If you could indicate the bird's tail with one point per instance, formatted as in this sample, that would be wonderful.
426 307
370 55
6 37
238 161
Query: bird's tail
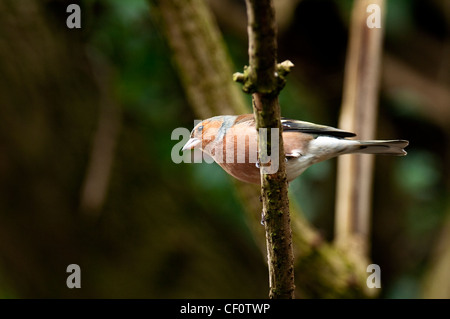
382 147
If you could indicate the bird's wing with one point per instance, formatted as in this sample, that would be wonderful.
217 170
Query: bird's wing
311 128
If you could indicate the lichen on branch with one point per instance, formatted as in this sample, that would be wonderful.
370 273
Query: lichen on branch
248 78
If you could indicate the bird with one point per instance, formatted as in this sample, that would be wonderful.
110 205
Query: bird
232 140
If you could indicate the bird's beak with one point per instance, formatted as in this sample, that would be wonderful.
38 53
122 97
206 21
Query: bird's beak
191 144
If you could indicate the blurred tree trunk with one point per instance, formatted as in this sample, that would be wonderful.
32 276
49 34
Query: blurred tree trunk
98 173
201 58
359 113
436 282
324 271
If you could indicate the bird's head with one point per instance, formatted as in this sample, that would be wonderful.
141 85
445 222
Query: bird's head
204 133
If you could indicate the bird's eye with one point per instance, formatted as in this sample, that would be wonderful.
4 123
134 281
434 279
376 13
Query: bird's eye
200 128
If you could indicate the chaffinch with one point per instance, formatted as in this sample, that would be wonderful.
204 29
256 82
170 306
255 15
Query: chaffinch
304 145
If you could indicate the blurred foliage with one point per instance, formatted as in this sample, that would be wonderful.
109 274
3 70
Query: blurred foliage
177 230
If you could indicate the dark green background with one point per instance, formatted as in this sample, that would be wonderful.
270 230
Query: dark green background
177 230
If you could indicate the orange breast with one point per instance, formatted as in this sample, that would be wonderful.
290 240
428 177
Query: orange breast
247 172
238 155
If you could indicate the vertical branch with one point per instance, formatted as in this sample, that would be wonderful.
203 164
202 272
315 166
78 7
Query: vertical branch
359 108
264 78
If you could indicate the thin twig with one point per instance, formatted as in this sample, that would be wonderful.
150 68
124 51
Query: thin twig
98 172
